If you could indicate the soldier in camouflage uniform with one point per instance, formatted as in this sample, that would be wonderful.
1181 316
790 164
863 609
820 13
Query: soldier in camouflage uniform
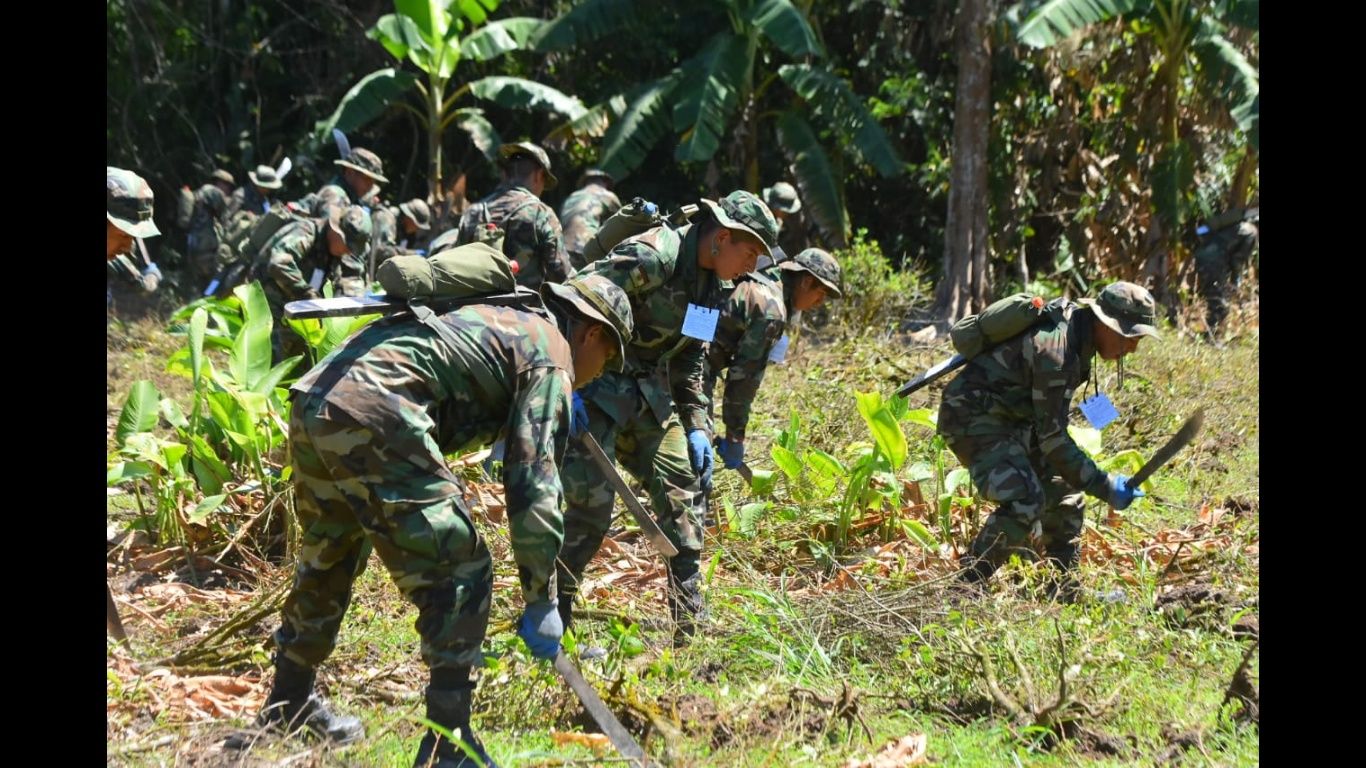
368 430
128 214
1221 260
203 214
532 231
583 212
259 196
297 259
653 415
782 199
361 174
401 229
752 321
1005 417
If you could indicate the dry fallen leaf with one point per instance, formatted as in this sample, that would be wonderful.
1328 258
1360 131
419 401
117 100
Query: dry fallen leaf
908 750
597 742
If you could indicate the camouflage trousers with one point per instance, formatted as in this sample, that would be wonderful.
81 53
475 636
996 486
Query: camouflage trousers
1219 264
654 453
356 488
1036 508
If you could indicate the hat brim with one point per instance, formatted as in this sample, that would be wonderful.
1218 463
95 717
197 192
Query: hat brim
512 150
136 229
264 184
579 304
1127 330
406 211
730 223
354 167
791 265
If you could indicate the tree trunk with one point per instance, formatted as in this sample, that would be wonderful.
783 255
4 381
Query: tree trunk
963 288
436 91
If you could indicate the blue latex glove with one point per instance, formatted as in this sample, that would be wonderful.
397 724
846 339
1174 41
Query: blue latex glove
541 629
578 416
421 251
699 453
1121 495
732 452
151 277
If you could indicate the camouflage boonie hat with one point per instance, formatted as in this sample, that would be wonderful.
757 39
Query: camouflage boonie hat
600 300
366 162
783 197
743 211
1126 308
418 211
508 151
128 202
265 178
223 176
354 226
820 264
596 173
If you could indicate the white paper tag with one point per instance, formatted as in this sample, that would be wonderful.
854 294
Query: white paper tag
700 322
779 353
316 281
213 286
1099 411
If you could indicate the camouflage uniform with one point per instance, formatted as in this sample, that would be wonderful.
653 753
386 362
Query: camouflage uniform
582 215
752 321
642 416
337 194
388 241
287 265
1220 262
1005 418
204 221
128 206
532 235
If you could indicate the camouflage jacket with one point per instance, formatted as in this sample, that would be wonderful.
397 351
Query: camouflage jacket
286 265
582 215
532 234
752 320
386 241
1026 384
336 194
248 199
510 377
659 272
203 222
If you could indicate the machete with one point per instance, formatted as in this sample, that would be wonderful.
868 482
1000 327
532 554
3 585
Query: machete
938 371
616 733
1173 446
647 524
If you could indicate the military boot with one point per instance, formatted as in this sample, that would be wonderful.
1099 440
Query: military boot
294 704
449 707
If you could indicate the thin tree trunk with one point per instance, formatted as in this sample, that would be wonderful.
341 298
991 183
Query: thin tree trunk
963 289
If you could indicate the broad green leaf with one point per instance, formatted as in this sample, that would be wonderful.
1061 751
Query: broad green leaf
206 507
1087 438
173 415
124 471
923 417
592 124
516 93
783 24
402 38
919 472
272 378
1227 74
826 470
585 23
366 101
209 470
922 536
787 461
498 37
708 94
199 321
477 11
958 478
1173 181
431 16
250 359
821 193
1059 19
139 412
764 481
832 102
886 431
644 123
1127 462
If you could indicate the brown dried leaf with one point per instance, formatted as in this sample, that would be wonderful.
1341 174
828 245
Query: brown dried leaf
597 742
906 751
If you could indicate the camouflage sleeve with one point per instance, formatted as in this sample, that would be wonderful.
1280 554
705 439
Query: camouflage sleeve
633 266
283 260
384 235
610 205
686 373
537 431
1052 398
746 372
329 197
555 267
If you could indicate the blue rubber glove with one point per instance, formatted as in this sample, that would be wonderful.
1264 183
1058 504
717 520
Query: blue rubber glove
699 453
151 277
578 416
732 452
541 629
1121 495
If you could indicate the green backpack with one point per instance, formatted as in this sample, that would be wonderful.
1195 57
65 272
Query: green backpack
1002 320
465 271
630 220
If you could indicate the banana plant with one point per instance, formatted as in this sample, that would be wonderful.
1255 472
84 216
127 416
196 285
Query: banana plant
715 96
427 35
1195 40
